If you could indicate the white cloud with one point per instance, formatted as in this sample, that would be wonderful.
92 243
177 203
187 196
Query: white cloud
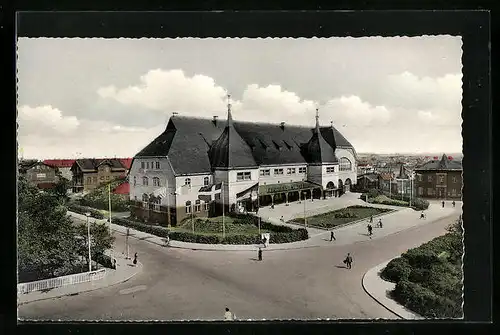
45 119
168 91
353 111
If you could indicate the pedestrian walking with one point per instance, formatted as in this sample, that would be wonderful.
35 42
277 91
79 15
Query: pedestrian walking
260 254
422 215
348 261
332 236
282 220
114 263
442 203
453 203
135 259
371 218
370 230
228 315
380 223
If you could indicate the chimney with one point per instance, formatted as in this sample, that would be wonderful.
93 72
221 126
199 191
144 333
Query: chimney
214 120
282 125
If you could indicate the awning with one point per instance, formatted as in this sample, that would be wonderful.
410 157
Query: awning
287 187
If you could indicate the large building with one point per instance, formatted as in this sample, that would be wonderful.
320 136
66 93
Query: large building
197 165
39 174
439 179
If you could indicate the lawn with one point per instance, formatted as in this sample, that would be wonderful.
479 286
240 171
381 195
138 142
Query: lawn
213 226
341 216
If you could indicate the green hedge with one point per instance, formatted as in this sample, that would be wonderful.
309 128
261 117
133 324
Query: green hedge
281 234
84 209
429 278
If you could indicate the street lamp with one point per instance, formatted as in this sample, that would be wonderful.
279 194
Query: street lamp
88 235
305 219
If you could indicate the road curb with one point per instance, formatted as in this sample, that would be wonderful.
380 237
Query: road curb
377 269
84 291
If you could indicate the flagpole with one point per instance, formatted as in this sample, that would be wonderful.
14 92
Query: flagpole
258 205
223 222
168 204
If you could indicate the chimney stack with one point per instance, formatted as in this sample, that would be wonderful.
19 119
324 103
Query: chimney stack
282 125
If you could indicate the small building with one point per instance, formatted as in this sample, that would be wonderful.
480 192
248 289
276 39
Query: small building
440 179
367 181
39 174
123 190
62 165
90 173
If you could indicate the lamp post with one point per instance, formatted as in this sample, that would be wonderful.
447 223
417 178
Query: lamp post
305 219
258 206
88 235
223 210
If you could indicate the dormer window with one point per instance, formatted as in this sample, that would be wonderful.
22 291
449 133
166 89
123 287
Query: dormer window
206 181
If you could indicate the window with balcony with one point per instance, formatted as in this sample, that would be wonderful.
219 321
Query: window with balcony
157 165
206 181
330 169
302 170
145 181
156 181
187 182
188 207
241 176
278 171
290 171
345 164
266 172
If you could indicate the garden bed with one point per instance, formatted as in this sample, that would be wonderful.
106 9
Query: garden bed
240 229
341 216
429 278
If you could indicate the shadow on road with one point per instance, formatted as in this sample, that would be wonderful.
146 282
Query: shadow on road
254 259
364 234
341 266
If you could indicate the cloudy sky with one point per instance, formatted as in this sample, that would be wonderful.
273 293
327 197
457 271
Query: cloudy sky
110 97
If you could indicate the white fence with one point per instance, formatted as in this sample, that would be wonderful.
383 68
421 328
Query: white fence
60 281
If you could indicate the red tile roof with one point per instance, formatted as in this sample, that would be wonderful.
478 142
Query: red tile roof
61 163
122 189
126 162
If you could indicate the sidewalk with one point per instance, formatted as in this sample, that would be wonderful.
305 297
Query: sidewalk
124 271
378 289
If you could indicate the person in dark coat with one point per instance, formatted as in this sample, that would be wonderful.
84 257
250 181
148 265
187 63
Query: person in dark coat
442 203
380 223
370 230
348 261
453 203
135 259
371 219
260 254
332 236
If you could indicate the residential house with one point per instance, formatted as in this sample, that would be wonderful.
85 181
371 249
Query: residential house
90 173
441 179
63 165
38 173
367 181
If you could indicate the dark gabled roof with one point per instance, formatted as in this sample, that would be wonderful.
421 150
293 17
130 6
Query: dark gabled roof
317 150
187 140
91 164
443 164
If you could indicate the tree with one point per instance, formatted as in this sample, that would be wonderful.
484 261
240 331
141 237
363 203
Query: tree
46 245
61 188
100 239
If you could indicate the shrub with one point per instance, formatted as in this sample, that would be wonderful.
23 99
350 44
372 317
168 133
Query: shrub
294 236
396 270
419 204
104 260
84 209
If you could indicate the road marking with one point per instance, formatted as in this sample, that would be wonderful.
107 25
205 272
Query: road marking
133 289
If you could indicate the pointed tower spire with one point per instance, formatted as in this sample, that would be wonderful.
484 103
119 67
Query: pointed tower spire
317 120
229 116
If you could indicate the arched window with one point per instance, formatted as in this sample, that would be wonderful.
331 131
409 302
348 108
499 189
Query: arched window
188 207
345 164
157 203
145 181
145 199
187 181
197 206
206 180
135 180
156 181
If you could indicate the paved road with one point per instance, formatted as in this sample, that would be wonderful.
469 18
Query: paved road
181 284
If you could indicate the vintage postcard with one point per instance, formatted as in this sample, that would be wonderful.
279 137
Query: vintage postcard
239 178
